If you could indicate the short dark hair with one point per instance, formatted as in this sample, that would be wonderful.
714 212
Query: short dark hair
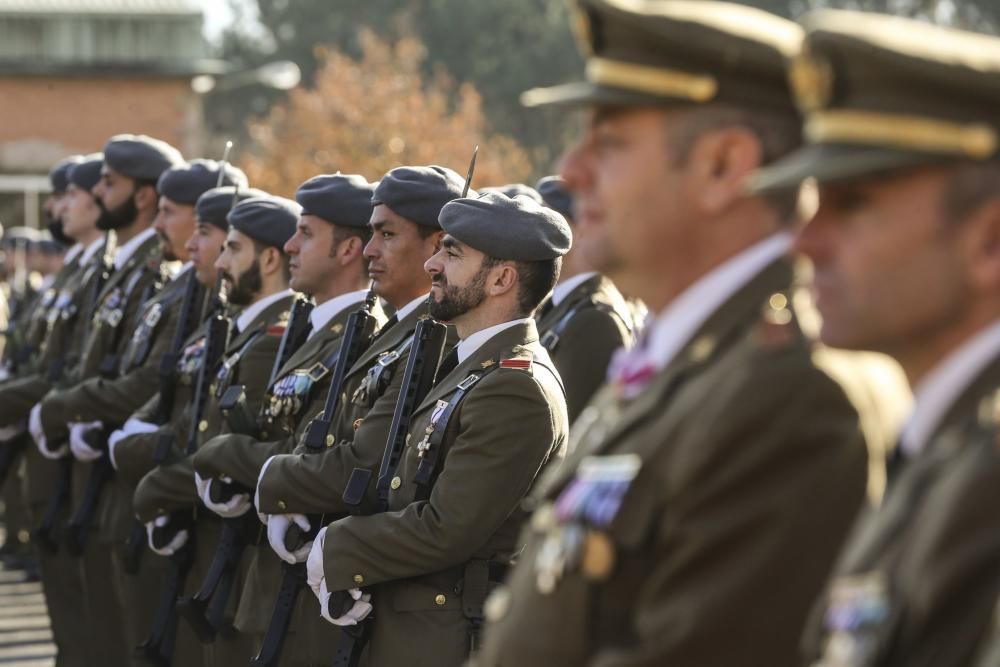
972 184
286 269
535 280
778 133
342 232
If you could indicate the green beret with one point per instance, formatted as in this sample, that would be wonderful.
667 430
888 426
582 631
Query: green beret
214 205
140 157
340 199
86 173
556 195
59 174
678 52
269 219
186 182
515 189
882 93
518 229
419 193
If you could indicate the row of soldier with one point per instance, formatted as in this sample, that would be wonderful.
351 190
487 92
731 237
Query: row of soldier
399 443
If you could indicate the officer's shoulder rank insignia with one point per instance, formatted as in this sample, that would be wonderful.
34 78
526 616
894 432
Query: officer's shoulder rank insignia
521 362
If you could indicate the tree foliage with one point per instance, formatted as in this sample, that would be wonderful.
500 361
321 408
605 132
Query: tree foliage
373 113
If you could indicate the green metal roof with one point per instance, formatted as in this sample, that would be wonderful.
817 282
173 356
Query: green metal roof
109 36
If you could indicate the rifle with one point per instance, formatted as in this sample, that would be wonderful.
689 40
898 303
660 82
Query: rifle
186 324
419 377
101 471
44 534
205 610
359 335
158 648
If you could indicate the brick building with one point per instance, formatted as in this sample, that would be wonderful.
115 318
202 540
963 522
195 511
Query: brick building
75 72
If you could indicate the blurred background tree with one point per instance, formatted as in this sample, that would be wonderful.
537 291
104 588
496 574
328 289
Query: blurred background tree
371 114
492 51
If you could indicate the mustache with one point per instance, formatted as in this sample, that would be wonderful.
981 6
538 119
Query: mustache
439 279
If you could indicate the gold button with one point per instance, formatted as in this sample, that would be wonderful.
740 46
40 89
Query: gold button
396 482
358 579
263 435
203 425
439 600
282 505
330 440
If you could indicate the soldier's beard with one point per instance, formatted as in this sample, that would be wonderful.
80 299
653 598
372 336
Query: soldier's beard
118 217
457 301
55 227
166 250
249 285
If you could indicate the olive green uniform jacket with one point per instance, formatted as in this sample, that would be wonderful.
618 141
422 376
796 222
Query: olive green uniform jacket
417 558
692 524
918 581
307 483
59 350
582 333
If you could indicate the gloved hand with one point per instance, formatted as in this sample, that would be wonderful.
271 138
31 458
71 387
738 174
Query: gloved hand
236 506
35 423
81 450
177 541
358 612
256 494
131 427
277 526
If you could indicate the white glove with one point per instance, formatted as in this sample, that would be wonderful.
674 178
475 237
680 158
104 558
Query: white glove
256 493
236 506
81 450
178 541
314 563
35 423
8 433
277 526
357 613
131 427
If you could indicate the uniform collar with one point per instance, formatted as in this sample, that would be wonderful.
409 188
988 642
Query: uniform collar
127 249
940 388
473 342
411 306
563 289
72 253
325 311
257 307
91 250
670 331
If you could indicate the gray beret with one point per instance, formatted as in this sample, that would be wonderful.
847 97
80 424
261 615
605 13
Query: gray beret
186 182
271 220
514 189
519 229
140 157
59 174
340 199
419 193
556 195
87 173
214 205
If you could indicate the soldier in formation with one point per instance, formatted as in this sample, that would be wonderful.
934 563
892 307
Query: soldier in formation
407 421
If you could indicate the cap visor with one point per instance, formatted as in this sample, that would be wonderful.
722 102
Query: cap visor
828 163
584 93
